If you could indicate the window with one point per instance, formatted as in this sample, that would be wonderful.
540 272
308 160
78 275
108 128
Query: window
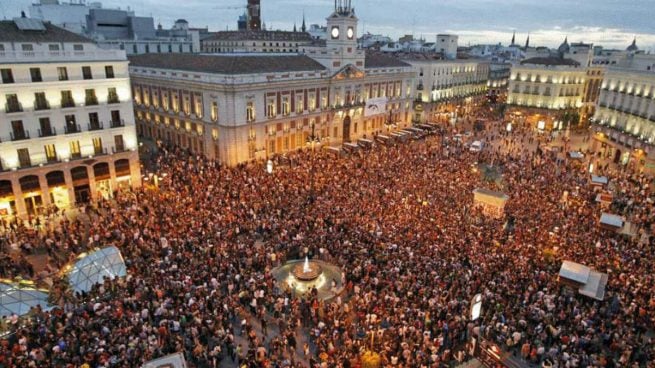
45 129
74 147
24 157
50 152
134 49
7 76
112 96
198 106
71 125
12 104
300 105
286 106
18 131
62 73
147 49
35 73
78 47
97 146
214 112
40 102
94 121
67 99
53 47
270 109
118 143
109 71
250 112
116 120
90 97
86 72
27 47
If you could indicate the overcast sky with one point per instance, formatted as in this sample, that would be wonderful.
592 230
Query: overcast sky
611 23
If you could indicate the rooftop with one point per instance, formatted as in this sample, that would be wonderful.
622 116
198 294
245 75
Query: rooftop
9 32
227 64
550 61
379 60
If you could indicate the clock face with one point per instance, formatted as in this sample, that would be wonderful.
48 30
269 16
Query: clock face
335 32
351 33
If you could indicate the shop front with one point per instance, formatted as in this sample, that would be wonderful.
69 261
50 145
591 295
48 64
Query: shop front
81 186
7 199
123 174
103 180
32 195
57 189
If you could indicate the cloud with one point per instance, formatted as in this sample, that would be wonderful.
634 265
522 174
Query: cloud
612 23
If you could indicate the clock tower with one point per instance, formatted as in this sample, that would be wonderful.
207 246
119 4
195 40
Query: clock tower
341 41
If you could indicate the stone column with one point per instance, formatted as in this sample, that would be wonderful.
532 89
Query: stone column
21 211
68 178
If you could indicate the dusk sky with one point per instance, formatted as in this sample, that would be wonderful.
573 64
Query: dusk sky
611 23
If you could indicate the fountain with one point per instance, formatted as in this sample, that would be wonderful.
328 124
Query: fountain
307 271
303 276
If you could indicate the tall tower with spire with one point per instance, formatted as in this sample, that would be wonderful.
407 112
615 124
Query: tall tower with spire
303 28
527 41
513 39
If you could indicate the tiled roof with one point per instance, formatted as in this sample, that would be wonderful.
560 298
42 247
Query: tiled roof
550 61
260 36
225 64
378 60
10 33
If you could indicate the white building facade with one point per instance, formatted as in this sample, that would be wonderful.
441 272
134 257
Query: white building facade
547 92
443 85
68 131
237 108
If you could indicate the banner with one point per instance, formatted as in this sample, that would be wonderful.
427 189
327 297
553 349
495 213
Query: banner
375 106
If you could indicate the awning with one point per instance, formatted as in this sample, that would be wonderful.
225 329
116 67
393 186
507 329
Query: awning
170 361
589 282
608 219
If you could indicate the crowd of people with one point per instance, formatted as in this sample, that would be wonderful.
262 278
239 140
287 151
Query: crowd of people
401 224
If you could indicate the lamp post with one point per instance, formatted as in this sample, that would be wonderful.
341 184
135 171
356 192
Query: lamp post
312 140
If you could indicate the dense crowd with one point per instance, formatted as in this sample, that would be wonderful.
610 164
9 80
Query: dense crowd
399 221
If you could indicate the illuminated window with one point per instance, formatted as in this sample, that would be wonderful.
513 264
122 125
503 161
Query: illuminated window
214 112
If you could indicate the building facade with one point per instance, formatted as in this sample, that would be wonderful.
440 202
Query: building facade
625 118
446 89
256 42
118 28
236 108
546 92
68 132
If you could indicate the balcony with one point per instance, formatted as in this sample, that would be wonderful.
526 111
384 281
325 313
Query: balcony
99 151
20 136
118 149
13 107
50 132
91 101
67 103
113 99
118 123
41 105
72 128
95 126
